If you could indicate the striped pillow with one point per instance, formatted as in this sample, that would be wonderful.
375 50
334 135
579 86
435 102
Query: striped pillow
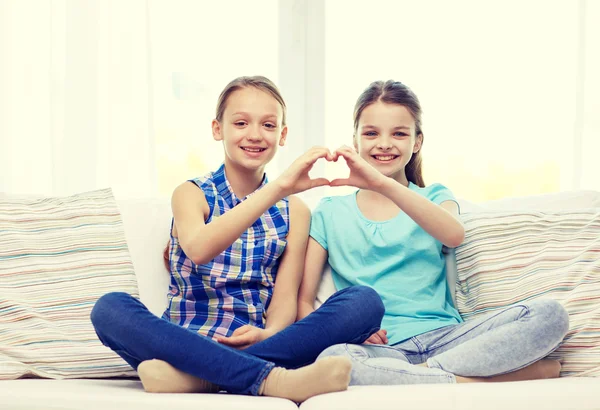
508 257
57 257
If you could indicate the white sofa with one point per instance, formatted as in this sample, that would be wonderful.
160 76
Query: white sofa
146 227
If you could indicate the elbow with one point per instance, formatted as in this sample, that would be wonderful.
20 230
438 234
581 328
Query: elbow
197 257
457 238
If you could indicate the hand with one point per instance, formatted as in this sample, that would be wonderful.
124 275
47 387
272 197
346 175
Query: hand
362 174
295 179
377 338
244 337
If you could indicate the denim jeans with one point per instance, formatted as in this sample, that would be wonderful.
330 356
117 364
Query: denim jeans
126 326
498 343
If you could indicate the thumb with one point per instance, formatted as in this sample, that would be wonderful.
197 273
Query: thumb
319 182
241 330
340 182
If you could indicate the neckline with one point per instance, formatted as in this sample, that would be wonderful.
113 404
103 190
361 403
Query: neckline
364 218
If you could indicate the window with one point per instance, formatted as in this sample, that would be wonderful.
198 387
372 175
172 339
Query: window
196 49
496 80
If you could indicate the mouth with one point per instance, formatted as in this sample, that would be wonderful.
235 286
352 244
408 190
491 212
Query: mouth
253 149
384 158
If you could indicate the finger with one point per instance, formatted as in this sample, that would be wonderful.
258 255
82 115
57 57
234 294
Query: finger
369 341
347 153
318 182
378 339
236 341
241 330
315 155
340 182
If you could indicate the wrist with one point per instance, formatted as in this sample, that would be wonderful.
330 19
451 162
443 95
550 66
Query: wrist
383 185
268 332
276 190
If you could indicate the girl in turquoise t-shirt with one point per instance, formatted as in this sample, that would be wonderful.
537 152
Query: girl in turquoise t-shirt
389 235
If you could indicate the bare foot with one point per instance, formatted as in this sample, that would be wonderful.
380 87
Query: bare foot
158 376
542 369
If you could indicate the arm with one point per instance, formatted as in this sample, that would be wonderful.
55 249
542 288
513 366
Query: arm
316 256
440 221
202 242
283 307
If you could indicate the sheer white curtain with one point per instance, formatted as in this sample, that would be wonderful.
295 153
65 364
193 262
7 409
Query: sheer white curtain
75 97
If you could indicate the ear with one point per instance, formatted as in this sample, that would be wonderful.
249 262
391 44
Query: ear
355 142
418 143
283 136
216 130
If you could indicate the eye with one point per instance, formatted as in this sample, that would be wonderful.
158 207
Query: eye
270 125
400 134
370 134
240 123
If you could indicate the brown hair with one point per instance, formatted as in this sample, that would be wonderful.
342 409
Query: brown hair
394 92
257 81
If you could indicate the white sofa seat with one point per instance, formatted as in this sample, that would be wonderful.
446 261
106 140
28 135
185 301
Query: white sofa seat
37 394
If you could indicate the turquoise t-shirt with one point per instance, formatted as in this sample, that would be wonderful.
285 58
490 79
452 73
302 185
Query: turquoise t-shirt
397 258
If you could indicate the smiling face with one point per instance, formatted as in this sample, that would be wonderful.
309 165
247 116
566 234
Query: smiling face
385 138
251 128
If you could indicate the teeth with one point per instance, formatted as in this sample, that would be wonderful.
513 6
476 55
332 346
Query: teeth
253 149
384 158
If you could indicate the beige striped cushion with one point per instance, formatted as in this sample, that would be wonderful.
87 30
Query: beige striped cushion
57 257
508 257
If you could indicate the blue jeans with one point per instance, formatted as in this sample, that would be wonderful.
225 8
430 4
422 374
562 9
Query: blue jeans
498 343
126 326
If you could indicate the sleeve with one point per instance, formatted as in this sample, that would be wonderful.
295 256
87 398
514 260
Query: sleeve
318 228
438 193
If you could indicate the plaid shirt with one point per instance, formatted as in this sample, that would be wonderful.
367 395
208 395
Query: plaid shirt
235 288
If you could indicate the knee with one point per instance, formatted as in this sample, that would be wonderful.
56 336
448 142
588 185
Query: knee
335 350
370 302
108 310
553 316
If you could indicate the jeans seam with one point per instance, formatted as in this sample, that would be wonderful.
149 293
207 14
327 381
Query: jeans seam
435 347
386 369
254 389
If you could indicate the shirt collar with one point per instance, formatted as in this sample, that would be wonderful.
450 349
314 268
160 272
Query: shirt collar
224 187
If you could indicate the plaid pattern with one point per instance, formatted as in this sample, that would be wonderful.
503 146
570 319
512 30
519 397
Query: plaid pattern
235 288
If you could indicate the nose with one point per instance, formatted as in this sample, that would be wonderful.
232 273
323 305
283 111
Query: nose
254 134
384 144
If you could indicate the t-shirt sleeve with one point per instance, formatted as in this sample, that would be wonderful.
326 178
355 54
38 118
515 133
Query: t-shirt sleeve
318 229
439 193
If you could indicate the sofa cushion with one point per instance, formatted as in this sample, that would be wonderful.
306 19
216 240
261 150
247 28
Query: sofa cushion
147 223
508 257
575 393
58 256
121 394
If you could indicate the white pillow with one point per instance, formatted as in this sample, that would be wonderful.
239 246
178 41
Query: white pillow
58 256
147 224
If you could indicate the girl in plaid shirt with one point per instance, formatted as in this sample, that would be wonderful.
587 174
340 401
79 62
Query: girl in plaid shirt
236 257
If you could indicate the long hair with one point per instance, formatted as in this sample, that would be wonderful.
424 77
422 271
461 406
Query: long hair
394 92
